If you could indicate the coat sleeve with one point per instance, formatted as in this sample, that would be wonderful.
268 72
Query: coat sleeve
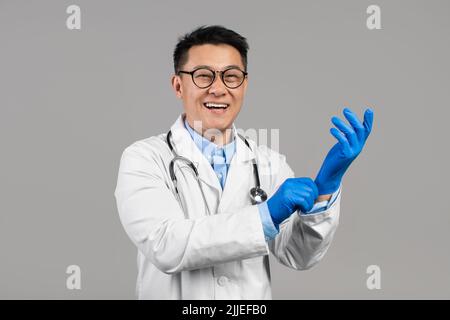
303 239
154 221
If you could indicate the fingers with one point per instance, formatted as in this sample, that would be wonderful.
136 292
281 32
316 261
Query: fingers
315 189
357 131
304 201
342 140
347 130
305 192
311 184
305 205
356 124
368 120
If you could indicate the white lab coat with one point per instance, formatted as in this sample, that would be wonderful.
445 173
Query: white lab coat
189 255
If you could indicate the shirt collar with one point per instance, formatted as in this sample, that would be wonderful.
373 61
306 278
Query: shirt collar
208 148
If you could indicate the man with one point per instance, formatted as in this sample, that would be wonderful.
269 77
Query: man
198 232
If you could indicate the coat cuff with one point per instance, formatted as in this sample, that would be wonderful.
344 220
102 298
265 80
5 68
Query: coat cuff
323 205
269 228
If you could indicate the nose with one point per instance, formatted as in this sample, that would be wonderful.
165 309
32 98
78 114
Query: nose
218 87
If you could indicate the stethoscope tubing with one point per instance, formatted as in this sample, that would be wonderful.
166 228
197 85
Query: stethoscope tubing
257 194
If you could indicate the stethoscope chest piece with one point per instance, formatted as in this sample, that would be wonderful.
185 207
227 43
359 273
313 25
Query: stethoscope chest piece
257 195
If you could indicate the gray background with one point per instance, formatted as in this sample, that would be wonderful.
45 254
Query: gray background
71 101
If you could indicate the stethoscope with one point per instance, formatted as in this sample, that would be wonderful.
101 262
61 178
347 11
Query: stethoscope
257 194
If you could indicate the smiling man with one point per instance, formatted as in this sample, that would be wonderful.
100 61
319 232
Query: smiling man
205 206
214 104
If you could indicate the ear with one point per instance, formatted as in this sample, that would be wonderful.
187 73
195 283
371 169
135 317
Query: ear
176 85
245 84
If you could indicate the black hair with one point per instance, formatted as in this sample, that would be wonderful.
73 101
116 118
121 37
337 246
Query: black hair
208 35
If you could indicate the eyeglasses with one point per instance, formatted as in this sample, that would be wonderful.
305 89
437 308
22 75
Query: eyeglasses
204 77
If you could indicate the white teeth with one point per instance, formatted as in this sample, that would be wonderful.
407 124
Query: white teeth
216 105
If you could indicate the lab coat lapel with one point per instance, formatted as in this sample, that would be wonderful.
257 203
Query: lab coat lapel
239 170
186 147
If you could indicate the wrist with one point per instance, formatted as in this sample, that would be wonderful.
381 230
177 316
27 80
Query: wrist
327 188
323 197
273 212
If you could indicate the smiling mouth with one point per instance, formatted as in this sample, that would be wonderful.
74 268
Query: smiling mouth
218 106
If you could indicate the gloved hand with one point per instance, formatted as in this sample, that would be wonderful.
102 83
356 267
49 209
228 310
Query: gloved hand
293 194
351 141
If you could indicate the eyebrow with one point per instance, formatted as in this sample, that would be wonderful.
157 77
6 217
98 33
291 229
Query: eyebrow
209 67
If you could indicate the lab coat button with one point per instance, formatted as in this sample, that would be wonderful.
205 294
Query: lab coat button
222 281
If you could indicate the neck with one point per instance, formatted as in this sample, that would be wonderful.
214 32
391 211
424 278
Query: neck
219 137
216 136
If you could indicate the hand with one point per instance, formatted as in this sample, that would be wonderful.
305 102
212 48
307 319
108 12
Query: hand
351 141
293 194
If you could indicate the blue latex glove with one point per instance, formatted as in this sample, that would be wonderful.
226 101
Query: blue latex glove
351 139
293 194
